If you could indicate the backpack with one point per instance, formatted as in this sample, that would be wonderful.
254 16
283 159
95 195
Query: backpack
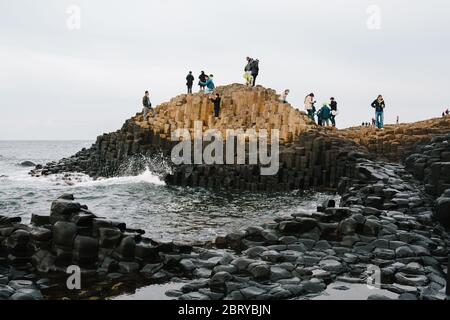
255 66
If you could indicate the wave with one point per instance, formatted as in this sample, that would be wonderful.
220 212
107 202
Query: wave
81 180
146 177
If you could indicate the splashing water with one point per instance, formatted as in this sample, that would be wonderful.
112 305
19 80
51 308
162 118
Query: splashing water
138 195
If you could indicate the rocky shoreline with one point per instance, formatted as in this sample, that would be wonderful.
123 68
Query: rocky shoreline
387 221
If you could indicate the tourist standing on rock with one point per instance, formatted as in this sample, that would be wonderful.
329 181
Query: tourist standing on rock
334 112
284 95
248 72
216 100
379 106
189 82
254 71
309 106
208 84
324 115
202 78
147 105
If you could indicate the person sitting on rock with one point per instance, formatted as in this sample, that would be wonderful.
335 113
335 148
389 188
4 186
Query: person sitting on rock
202 78
284 95
208 84
189 82
216 100
379 106
334 112
147 106
309 106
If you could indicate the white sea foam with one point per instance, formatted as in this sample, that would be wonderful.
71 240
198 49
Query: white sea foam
146 177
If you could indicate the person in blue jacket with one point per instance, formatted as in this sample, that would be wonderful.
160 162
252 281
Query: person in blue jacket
209 84
379 106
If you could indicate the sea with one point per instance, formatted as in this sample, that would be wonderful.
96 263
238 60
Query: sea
141 200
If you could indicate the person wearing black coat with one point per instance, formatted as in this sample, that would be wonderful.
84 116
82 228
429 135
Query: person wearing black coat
216 102
202 78
189 82
333 107
254 70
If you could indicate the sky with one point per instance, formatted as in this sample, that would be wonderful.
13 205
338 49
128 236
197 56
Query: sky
60 79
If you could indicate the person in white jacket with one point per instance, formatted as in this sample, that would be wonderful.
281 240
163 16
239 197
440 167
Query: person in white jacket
309 105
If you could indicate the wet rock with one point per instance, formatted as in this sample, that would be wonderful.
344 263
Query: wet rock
404 252
41 234
378 297
64 234
18 243
255 252
61 210
194 296
241 263
407 297
27 294
313 286
126 250
261 272
40 220
271 255
128 267
442 211
277 273
21 284
331 265
150 269
6 292
109 237
85 250
202 273
187 265
218 282
252 293
27 164
411 280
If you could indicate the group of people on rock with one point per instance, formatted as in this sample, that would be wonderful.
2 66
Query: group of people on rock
326 115
446 113
206 82
251 71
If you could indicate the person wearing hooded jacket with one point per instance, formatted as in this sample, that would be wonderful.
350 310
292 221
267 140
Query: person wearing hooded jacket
208 84
324 114
202 79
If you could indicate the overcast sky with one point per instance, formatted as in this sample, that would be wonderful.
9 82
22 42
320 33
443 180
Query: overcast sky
58 83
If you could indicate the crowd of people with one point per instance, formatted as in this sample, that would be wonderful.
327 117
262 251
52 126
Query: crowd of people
326 114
